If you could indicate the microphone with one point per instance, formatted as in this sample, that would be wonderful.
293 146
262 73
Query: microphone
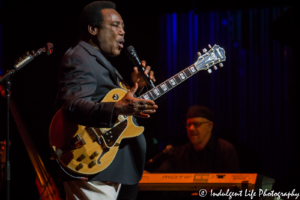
161 156
27 59
131 53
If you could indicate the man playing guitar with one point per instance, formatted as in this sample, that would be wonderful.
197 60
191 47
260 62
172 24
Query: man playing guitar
85 77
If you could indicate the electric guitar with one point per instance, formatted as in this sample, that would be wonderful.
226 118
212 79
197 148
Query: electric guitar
88 150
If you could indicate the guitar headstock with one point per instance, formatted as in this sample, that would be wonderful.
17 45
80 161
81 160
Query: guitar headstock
215 55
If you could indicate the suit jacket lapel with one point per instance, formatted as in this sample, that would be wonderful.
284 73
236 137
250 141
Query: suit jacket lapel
108 66
100 58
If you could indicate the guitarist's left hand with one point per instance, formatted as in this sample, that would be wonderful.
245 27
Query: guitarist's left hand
137 78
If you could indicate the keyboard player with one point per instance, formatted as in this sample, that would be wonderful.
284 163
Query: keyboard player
204 153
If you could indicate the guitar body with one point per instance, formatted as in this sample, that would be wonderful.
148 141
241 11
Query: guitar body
87 150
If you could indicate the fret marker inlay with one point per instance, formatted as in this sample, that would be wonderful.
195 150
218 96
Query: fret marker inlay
182 76
164 87
193 69
156 91
146 97
172 82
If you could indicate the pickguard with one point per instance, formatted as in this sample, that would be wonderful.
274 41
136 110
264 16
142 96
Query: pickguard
111 137
102 154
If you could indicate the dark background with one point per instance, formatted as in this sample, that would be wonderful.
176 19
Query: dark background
29 25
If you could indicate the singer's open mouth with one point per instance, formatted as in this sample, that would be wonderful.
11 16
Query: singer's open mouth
120 43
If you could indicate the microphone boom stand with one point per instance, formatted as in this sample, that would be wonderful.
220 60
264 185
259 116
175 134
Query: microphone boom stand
6 79
7 163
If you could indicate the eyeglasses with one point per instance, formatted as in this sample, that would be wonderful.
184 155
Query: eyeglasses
196 125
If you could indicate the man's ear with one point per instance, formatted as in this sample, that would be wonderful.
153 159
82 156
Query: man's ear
211 125
92 29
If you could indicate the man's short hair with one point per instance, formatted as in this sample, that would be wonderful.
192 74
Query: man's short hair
200 111
92 15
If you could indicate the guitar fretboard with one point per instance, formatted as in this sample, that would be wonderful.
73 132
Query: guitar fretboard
169 84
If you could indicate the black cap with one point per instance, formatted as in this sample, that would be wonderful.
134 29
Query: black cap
200 111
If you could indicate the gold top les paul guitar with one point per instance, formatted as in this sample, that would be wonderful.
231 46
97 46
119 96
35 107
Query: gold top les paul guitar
88 150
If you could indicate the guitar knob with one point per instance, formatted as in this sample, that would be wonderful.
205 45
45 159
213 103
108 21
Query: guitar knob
96 153
199 54
115 97
209 71
209 46
204 50
81 157
221 65
215 67
92 164
79 166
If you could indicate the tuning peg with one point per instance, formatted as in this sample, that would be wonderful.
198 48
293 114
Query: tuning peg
27 53
199 54
24 56
215 67
221 65
204 50
20 59
209 46
32 52
209 71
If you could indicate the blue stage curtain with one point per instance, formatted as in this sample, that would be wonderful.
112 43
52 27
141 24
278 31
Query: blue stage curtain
249 95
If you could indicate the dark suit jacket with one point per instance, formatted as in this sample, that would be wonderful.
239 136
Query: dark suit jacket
85 77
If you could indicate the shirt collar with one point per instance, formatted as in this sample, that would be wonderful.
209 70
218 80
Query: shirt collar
210 145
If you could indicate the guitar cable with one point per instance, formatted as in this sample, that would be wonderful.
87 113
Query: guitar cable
48 180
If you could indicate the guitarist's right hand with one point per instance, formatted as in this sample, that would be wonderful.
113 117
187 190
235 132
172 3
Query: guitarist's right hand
129 105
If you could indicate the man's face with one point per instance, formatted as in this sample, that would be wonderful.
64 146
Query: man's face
111 34
198 129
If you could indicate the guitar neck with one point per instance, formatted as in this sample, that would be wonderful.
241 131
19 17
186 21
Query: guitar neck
169 84
215 55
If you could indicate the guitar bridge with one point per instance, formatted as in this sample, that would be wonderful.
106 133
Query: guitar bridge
76 143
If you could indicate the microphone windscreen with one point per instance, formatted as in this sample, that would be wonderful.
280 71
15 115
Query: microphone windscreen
130 49
132 55
49 48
